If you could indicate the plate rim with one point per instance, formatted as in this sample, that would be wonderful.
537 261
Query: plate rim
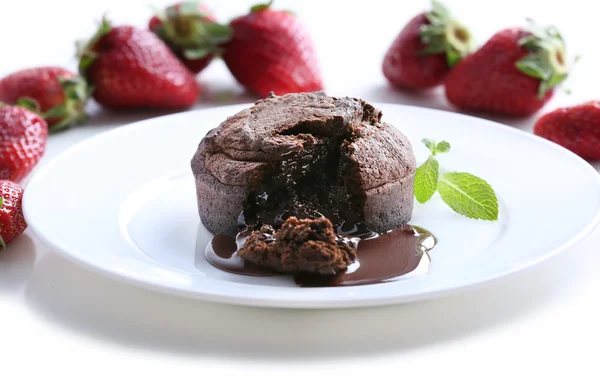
344 302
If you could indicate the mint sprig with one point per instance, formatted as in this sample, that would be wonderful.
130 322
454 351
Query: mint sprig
465 193
435 147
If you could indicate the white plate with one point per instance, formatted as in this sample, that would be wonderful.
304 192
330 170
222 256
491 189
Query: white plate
123 204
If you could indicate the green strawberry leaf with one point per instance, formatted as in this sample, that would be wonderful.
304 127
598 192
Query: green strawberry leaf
426 179
29 103
74 88
260 7
186 7
85 52
468 195
452 58
196 53
55 112
533 65
556 79
546 59
218 33
439 10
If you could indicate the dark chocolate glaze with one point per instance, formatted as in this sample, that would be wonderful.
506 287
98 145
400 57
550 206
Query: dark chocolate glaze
380 258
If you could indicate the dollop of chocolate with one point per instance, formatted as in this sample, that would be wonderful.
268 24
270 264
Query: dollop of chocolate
300 245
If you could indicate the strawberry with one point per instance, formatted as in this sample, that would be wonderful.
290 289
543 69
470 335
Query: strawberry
272 51
132 68
576 128
56 93
23 136
426 49
513 74
191 31
12 222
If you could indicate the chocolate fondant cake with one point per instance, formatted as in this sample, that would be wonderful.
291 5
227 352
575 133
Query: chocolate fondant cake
305 155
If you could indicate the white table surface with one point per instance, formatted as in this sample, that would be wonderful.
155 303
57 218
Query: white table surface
58 321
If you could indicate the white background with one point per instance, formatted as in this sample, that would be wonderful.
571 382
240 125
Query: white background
60 322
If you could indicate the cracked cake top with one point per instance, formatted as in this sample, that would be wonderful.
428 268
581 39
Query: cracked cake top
278 125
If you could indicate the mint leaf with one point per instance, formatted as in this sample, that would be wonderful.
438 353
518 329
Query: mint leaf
468 195
430 144
435 147
426 179
442 147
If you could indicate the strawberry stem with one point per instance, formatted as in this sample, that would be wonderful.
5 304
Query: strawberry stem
29 103
85 51
446 35
547 58
72 111
189 28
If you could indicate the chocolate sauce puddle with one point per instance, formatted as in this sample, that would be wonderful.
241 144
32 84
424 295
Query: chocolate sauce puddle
380 258
221 252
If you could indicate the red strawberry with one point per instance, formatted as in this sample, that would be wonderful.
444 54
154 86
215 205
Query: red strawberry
514 73
272 51
426 49
58 94
12 222
191 31
577 128
132 68
23 136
